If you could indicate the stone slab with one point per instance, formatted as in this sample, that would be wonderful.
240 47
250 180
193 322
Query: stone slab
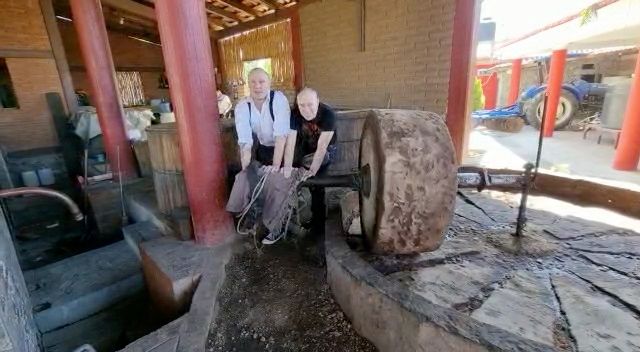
524 306
172 269
620 286
571 227
623 263
448 285
139 232
77 287
611 244
103 331
594 321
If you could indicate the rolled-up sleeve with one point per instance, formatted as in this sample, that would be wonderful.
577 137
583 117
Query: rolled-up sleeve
283 115
243 124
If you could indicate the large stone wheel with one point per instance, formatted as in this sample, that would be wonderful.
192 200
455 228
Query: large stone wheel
409 181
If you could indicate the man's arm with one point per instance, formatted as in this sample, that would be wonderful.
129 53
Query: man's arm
321 151
243 130
280 126
289 152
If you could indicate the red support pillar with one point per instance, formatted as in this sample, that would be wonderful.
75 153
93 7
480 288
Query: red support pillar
628 151
514 84
94 45
462 53
187 55
554 89
296 45
490 90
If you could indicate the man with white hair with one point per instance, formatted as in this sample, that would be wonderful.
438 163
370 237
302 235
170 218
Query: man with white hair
311 141
265 114
262 124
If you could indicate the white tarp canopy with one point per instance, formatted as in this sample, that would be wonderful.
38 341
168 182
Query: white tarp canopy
615 25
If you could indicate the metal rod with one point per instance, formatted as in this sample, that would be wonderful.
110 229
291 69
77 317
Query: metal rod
351 181
541 134
73 207
522 210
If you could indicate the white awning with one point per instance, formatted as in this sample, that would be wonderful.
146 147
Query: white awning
616 25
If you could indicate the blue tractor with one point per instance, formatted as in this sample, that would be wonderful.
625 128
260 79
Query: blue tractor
578 97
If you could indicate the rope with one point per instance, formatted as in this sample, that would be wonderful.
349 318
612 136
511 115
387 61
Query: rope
292 204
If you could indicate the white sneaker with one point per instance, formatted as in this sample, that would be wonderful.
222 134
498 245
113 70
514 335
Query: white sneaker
271 238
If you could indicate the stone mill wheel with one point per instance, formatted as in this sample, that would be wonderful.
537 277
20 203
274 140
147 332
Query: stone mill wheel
408 170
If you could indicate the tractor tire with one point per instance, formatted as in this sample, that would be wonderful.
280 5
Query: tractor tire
567 108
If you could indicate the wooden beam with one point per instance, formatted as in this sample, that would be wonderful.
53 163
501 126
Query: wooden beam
222 13
57 48
277 16
238 5
217 23
26 54
81 68
131 7
274 5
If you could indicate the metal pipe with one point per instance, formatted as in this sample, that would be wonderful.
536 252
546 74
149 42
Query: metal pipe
73 208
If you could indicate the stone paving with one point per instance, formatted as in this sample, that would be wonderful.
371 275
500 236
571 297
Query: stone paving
570 284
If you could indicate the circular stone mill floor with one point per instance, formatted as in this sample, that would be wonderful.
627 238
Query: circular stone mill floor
571 283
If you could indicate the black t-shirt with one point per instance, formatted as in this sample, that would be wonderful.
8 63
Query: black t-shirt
309 131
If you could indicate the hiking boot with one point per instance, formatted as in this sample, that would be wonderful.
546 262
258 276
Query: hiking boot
271 238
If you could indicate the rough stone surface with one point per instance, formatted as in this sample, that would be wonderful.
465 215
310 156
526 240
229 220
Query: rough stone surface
612 244
172 270
140 232
524 306
596 323
449 285
413 181
569 283
77 287
350 212
18 330
622 263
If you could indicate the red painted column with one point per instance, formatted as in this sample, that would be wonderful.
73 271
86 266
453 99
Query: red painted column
514 84
296 45
554 88
490 90
462 52
187 56
94 45
628 151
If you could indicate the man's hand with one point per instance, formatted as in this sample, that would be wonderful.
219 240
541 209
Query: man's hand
269 169
286 171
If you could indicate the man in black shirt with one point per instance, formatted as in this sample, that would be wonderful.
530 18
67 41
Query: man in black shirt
311 143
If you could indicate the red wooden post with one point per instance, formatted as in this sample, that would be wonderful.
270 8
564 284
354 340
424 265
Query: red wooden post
514 84
554 89
458 107
96 54
628 151
296 45
187 55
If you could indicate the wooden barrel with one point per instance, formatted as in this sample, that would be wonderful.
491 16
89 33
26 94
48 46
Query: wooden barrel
349 124
168 176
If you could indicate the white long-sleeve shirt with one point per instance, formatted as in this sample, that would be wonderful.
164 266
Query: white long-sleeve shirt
261 123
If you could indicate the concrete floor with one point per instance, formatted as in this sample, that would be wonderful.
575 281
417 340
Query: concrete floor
565 153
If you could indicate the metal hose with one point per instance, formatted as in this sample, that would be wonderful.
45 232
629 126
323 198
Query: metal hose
73 208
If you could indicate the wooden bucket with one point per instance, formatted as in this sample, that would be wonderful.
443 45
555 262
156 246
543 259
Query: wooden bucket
171 192
164 147
349 126
168 178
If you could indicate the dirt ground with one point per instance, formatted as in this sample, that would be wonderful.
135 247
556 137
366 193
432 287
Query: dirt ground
280 301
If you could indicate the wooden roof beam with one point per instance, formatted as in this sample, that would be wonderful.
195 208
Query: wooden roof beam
222 13
238 5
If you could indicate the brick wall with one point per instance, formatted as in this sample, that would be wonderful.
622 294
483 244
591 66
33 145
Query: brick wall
127 54
22 28
406 59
